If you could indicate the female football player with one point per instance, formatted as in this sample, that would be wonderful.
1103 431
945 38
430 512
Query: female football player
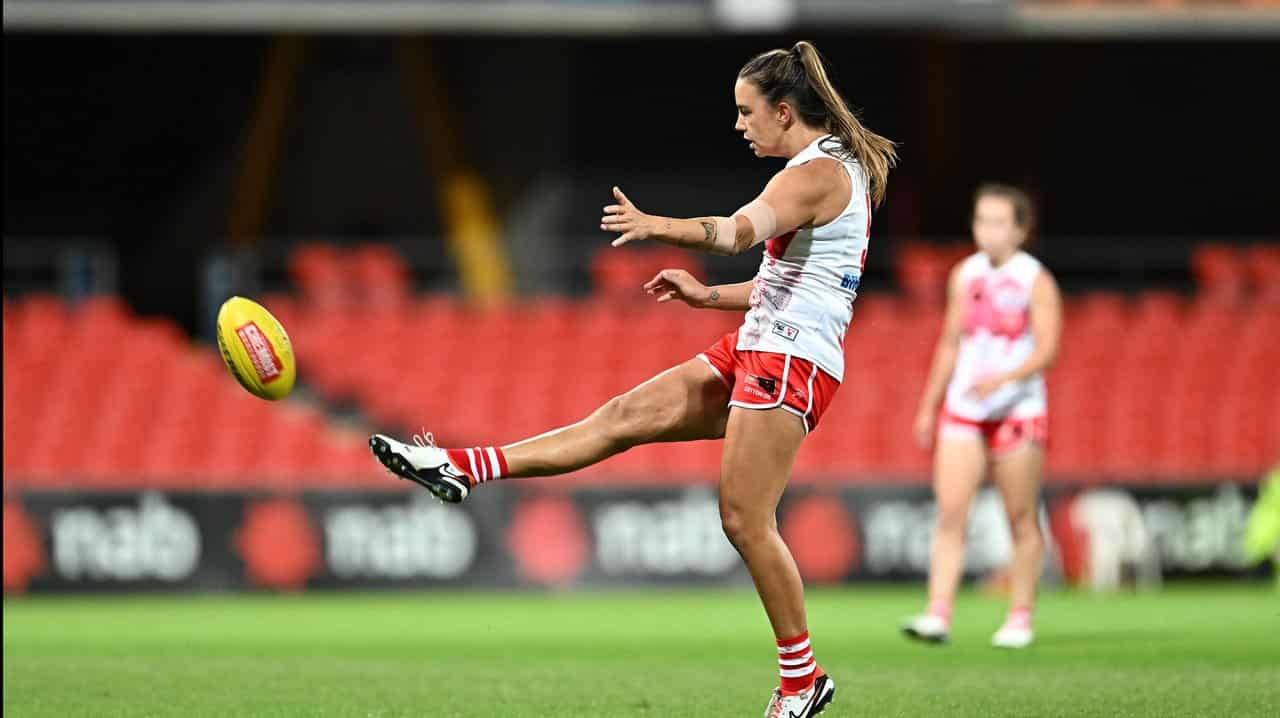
985 402
762 387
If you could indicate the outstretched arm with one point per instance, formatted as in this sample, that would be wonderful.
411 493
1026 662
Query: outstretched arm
736 297
789 201
672 284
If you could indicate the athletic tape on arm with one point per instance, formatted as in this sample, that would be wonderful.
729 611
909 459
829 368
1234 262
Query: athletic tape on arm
725 240
763 223
763 219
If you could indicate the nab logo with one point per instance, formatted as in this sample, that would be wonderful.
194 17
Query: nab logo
769 385
850 282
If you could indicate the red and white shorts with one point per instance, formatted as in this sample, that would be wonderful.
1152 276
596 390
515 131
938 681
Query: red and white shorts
999 435
767 380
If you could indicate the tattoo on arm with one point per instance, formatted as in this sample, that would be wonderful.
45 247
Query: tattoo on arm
715 295
710 229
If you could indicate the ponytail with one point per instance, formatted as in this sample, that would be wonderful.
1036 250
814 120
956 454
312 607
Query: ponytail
875 153
799 76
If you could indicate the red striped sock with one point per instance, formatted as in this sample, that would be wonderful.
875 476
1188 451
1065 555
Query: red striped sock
480 464
796 664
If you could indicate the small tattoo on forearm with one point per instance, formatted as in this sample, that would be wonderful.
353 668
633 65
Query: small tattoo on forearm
710 229
715 295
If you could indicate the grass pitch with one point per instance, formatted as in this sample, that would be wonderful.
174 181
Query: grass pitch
1189 651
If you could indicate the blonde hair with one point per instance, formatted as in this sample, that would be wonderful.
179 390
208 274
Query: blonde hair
799 76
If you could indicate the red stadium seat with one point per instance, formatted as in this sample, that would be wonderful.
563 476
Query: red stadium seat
284 307
1220 273
380 277
40 324
1075 443
318 271
206 433
1263 267
1102 311
618 275
1159 309
922 271
874 309
1129 375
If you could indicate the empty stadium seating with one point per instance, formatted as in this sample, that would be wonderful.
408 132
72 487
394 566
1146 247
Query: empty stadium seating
94 397
1157 387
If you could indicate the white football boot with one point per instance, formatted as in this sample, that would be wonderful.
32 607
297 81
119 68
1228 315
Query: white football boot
803 704
928 628
1011 636
424 464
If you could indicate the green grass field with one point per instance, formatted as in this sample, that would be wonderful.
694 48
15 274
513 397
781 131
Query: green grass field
1193 651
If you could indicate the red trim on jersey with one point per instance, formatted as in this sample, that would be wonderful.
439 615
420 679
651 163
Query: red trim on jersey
777 246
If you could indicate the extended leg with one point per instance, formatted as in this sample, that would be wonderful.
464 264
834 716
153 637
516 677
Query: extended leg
681 404
685 403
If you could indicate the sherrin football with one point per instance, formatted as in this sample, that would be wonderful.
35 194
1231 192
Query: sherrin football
256 349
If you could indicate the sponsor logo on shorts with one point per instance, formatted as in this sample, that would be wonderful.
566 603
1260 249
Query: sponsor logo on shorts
850 282
786 331
261 354
760 386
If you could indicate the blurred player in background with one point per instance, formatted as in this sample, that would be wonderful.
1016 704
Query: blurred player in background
762 387
985 404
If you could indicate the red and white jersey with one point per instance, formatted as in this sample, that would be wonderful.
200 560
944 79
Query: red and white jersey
997 338
803 295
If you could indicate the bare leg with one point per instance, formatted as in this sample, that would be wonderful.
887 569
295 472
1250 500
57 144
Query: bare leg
684 403
1017 474
957 471
760 448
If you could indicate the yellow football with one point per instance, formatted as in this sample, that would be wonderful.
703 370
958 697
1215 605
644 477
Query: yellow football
256 349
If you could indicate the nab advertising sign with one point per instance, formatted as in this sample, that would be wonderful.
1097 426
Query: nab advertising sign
521 536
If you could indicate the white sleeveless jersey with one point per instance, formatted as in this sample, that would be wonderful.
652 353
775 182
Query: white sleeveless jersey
997 338
802 299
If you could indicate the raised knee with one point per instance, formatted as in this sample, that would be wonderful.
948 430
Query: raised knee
628 421
619 421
